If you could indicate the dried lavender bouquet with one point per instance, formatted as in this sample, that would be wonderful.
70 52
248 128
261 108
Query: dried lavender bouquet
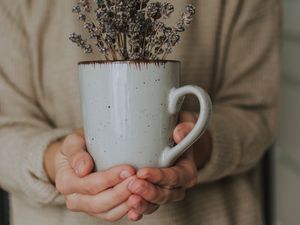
129 29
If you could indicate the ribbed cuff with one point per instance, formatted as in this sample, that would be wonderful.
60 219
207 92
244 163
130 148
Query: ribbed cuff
36 182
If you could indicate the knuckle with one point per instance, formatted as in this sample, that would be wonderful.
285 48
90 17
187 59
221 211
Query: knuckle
173 177
141 187
156 197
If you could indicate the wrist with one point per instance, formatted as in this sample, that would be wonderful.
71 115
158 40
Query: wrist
49 160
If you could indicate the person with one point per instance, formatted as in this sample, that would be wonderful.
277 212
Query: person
231 50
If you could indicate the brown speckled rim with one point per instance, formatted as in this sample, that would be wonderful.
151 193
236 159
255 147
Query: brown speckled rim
127 62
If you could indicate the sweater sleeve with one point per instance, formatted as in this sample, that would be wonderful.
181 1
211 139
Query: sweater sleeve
25 130
244 121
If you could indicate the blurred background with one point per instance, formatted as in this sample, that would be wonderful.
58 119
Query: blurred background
281 167
286 160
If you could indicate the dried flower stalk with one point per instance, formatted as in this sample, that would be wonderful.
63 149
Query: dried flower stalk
129 29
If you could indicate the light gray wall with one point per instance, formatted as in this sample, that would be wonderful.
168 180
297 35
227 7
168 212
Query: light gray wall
287 157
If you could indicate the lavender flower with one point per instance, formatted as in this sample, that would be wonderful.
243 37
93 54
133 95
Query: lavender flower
76 38
129 29
167 10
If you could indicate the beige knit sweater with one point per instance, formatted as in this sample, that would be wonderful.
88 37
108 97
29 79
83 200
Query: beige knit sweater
231 50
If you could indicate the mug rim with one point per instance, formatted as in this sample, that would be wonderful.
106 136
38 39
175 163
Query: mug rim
89 62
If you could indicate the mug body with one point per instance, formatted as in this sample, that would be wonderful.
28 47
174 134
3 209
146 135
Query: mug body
125 110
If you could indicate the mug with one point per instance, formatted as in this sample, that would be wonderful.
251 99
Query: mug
130 110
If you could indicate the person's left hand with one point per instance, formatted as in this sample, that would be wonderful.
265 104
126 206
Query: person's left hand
162 186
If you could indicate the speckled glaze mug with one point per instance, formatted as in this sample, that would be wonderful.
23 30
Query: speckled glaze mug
130 110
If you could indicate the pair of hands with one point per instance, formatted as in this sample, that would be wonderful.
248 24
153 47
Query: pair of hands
119 191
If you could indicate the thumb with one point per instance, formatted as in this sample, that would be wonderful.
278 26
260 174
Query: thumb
182 130
82 164
78 158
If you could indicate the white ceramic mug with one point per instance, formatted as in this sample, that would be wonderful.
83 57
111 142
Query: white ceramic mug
130 110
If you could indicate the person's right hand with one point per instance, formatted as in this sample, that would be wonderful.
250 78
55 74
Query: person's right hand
100 194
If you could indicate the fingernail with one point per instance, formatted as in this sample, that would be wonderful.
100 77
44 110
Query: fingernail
142 175
80 168
125 174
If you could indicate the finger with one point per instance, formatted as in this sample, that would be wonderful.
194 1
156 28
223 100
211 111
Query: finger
171 177
133 216
114 214
72 144
82 163
74 149
100 203
155 194
183 174
140 206
186 116
67 182
168 177
182 130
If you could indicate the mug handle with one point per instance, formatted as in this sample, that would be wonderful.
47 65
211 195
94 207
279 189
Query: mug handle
170 155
